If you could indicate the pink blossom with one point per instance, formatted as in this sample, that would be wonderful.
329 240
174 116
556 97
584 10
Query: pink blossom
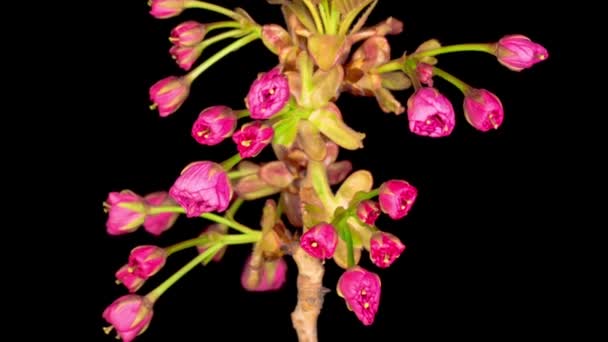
368 211
202 187
158 223
147 260
268 94
518 52
320 241
163 9
185 56
130 315
385 248
126 212
424 72
213 125
169 94
213 231
188 33
252 138
430 113
483 110
396 198
130 280
271 275
361 291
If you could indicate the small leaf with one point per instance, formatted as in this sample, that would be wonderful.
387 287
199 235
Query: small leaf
396 80
285 131
327 121
276 174
291 205
252 187
311 141
336 172
429 45
388 103
360 180
326 49
326 85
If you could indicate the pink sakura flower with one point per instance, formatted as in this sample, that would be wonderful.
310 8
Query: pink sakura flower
188 33
368 212
163 9
518 52
361 291
212 231
185 56
202 187
320 241
130 315
169 94
271 275
483 110
158 223
424 72
252 138
430 113
385 248
267 95
126 212
213 125
396 198
144 262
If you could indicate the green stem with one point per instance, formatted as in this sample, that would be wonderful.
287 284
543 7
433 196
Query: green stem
222 24
464 88
351 251
192 75
229 163
234 207
368 195
242 113
186 244
224 35
241 173
213 8
315 15
239 239
483 47
164 286
209 216
318 174
394 65
324 10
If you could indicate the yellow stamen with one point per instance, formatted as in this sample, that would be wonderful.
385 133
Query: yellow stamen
246 143
363 292
314 244
366 305
107 330
491 118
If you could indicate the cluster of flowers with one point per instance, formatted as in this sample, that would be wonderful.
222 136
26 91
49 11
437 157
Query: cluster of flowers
292 108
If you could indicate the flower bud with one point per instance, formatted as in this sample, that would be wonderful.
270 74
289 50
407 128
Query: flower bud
188 33
385 248
270 275
130 315
126 212
158 223
163 9
213 125
185 56
396 198
518 52
213 231
368 212
483 110
430 113
361 291
169 94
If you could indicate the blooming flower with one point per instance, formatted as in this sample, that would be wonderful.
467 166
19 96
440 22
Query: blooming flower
396 198
252 138
126 212
368 211
518 52
430 113
267 95
188 33
202 187
130 280
185 56
271 275
163 9
213 125
385 248
158 223
361 291
483 110
144 262
169 94
130 315
320 241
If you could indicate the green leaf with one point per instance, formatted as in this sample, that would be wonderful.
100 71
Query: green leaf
350 9
285 131
326 85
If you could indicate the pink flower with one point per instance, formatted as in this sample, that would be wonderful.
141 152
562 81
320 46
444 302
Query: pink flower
368 211
271 275
252 138
424 72
185 56
158 223
430 113
146 261
130 315
213 125
385 248
169 94
361 291
213 231
320 241
163 9
188 33
267 95
518 52
483 110
396 198
202 187
126 212
130 280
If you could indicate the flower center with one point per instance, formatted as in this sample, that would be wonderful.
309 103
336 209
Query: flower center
492 118
246 143
203 133
436 120
314 244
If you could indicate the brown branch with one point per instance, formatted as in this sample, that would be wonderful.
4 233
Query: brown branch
310 295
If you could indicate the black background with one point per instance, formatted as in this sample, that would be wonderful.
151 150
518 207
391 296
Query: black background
479 261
